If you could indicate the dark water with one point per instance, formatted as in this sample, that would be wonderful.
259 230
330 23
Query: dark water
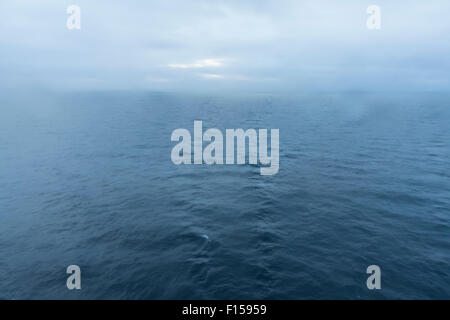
87 179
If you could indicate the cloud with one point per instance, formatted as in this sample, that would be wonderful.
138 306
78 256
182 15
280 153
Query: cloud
237 77
212 76
183 45
160 80
205 63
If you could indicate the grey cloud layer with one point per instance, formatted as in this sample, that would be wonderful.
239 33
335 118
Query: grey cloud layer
250 45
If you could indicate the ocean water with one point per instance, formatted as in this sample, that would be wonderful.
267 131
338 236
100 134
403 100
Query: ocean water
86 178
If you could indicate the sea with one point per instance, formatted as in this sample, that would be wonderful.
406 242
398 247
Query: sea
86 179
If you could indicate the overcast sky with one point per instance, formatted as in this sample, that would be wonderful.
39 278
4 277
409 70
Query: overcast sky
200 45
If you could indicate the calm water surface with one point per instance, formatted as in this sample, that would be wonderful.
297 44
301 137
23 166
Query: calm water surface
87 179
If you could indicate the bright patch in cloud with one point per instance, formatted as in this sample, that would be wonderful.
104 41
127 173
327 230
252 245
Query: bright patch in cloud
197 64
212 76
153 79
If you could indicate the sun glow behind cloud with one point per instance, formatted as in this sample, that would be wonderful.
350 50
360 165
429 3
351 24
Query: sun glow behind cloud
205 63
212 76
